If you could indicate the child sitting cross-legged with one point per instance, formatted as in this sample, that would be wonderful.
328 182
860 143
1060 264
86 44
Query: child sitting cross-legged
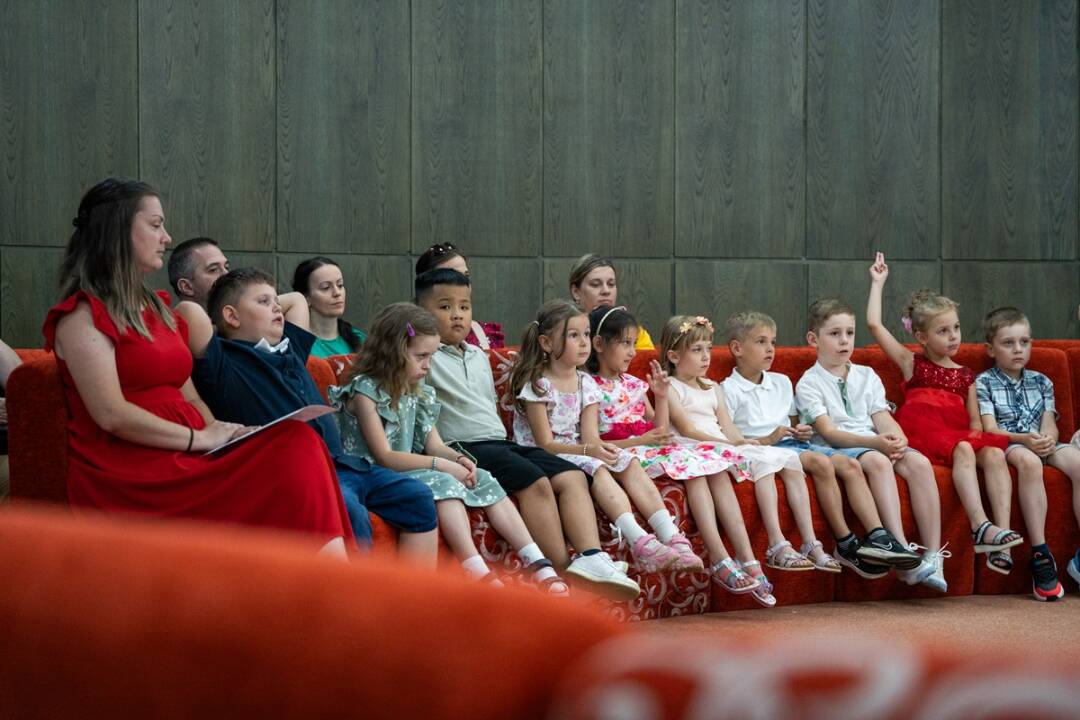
389 416
762 406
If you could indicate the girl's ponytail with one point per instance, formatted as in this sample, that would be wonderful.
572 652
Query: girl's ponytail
532 359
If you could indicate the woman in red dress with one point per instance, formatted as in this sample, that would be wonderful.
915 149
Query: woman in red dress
940 415
137 429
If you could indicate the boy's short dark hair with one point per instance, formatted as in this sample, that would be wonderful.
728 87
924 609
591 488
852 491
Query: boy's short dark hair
181 265
425 281
1002 317
821 310
228 288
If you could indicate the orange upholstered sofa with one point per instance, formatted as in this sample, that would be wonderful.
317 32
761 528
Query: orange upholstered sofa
37 465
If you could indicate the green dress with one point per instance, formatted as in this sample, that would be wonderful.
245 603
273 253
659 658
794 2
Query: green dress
407 428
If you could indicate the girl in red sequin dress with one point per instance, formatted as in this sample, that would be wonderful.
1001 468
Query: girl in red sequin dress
940 414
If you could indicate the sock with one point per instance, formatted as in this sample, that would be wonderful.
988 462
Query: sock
475 567
1043 550
629 528
876 532
846 540
530 553
662 524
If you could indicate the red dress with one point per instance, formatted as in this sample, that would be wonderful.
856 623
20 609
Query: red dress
934 415
283 478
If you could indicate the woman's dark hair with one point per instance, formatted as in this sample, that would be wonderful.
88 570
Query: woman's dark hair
436 255
301 283
99 258
609 324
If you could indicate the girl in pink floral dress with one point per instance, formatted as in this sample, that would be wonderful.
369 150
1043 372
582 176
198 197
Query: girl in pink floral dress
628 421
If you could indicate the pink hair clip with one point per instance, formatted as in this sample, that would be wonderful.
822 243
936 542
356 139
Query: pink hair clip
906 322
410 330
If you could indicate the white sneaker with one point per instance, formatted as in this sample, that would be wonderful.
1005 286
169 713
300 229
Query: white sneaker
920 572
936 579
599 572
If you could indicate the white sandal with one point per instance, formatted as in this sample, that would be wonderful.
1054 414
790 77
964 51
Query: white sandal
825 562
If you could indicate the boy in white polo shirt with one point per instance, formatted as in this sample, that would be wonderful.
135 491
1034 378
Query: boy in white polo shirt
469 420
845 404
762 405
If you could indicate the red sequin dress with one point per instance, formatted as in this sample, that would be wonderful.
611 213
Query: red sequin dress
934 415
282 478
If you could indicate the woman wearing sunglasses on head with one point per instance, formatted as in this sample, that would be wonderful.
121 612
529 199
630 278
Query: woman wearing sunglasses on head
448 256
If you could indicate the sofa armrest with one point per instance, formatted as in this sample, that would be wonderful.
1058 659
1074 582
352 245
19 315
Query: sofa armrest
37 429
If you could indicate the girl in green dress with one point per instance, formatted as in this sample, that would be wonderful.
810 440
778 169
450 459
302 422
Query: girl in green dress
388 416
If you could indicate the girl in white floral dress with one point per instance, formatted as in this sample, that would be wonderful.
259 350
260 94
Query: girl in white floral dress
629 421
555 408
388 417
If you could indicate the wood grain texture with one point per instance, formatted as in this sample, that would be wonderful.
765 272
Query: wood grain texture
1009 129
476 118
507 291
719 288
27 291
371 281
850 281
343 126
608 128
644 286
872 93
68 111
1045 291
740 165
206 109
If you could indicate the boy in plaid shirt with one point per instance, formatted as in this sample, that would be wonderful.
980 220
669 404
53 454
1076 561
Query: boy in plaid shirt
1019 403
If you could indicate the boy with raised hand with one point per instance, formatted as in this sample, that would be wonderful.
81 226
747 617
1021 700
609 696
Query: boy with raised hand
762 405
545 486
254 370
1019 403
845 403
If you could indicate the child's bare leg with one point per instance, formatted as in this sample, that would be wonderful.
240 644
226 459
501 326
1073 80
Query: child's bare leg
507 521
727 509
640 488
1067 460
541 516
879 474
421 548
703 511
925 503
768 501
967 485
454 526
609 495
859 497
1032 492
998 483
823 473
577 513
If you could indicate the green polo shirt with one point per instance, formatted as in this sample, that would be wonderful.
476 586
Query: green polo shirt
465 387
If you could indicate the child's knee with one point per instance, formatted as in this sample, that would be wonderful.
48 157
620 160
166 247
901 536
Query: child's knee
537 491
874 463
1025 461
846 466
816 464
963 455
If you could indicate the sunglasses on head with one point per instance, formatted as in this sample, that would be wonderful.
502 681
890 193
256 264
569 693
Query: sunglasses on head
440 249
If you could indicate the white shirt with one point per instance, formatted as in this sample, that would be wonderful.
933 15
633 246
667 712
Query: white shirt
758 409
818 393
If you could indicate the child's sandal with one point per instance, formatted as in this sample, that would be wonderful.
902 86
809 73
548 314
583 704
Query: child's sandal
552 585
1004 539
824 561
1000 562
728 575
782 556
763 592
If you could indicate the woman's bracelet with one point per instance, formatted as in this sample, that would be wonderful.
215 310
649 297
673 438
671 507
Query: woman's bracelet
190 439
585 449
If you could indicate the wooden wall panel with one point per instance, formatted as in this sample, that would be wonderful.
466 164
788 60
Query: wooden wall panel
343 126
206 117
507 291
608 128
371 281
740 186
718 288
1045 291
476 117
850 281
1009 129
644 286
68 111
872 128
27 291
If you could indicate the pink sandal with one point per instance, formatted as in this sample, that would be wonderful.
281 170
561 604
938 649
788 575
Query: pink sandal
688 560
651 555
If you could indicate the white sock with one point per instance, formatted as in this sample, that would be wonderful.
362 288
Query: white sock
662 524
475 567
629 528
530 553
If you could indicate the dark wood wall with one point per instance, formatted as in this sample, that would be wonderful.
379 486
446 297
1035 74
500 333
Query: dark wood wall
730 154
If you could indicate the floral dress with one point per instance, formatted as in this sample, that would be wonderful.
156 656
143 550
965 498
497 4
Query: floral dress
564 416
407 427
622 416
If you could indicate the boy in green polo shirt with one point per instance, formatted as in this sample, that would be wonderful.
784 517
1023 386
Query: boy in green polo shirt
542 483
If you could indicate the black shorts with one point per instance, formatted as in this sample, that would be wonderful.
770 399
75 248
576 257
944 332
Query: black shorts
516 467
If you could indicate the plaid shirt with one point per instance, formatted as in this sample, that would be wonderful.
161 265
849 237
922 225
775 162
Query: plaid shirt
1017 405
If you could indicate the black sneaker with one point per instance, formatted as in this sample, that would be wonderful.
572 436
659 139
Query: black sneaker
881 547
1044 579
847 554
